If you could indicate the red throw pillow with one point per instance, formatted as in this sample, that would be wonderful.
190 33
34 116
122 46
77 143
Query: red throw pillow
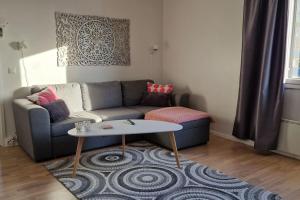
158 88
44 97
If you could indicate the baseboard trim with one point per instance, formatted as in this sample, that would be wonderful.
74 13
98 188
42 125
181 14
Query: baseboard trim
251 143
287 154
232 138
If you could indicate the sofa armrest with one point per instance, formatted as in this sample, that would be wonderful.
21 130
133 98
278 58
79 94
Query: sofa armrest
180 99
33 129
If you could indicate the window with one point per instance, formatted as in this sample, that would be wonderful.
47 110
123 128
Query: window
294 65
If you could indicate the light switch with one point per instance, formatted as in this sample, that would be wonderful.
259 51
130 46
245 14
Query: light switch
12 70
3 24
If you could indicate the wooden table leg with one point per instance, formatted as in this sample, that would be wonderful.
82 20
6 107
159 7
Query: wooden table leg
174 146
77 156
123 145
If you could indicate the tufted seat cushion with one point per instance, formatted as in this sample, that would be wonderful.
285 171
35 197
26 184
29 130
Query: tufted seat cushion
144 109
176 114
118 113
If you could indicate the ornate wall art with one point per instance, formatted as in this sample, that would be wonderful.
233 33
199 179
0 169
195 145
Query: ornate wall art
84 40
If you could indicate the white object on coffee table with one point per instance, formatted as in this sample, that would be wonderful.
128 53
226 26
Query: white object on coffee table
122 127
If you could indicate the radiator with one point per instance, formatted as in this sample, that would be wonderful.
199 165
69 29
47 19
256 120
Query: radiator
2 126
289 138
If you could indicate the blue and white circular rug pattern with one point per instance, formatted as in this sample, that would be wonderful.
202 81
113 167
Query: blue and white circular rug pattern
149 172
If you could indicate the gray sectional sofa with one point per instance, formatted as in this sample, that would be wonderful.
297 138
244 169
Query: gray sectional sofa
43 140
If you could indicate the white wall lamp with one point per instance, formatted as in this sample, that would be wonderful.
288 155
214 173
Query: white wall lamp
19 46
3 24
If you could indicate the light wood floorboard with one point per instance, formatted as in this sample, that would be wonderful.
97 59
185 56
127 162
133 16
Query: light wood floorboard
21 178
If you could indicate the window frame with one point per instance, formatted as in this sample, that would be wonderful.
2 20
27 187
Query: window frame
289 79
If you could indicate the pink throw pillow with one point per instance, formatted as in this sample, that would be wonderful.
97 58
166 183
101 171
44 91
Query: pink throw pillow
158 88
44 97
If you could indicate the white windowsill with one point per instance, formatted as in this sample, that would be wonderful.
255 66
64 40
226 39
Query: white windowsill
292 83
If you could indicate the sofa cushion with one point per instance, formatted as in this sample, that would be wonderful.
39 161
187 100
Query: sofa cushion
61 128
58 110
71 94
159 88
144 109
176 115
44 97
101 95
156 99
133 91
118 113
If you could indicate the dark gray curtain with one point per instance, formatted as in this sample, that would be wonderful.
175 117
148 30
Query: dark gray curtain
259 107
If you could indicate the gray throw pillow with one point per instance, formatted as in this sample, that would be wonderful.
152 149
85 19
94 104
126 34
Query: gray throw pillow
58 110
133 91
156 99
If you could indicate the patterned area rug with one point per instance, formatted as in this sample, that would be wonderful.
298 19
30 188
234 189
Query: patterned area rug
149 172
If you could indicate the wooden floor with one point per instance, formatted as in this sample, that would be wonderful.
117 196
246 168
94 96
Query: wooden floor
20 178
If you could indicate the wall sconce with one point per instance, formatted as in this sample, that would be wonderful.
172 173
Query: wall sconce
3 24
18 45
154 48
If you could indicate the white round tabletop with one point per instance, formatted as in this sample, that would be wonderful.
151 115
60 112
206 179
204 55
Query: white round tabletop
123 127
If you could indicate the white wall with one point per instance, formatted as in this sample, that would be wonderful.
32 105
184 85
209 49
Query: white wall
202 53
33 21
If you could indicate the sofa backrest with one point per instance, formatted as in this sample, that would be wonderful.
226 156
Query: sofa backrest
101 95
69 92
133 91
93 96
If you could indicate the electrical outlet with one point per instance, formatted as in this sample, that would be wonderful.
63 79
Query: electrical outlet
11 141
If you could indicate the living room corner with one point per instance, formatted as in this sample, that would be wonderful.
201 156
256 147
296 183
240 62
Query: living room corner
38 64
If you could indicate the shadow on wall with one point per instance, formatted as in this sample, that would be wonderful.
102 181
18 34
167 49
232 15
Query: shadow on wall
196 101
219 123
199 102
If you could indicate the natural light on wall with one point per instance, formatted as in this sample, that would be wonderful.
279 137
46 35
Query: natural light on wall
42 68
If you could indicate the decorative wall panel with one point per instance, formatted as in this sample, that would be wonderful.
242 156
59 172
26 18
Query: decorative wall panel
84 40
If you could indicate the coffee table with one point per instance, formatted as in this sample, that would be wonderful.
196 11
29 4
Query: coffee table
122 127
